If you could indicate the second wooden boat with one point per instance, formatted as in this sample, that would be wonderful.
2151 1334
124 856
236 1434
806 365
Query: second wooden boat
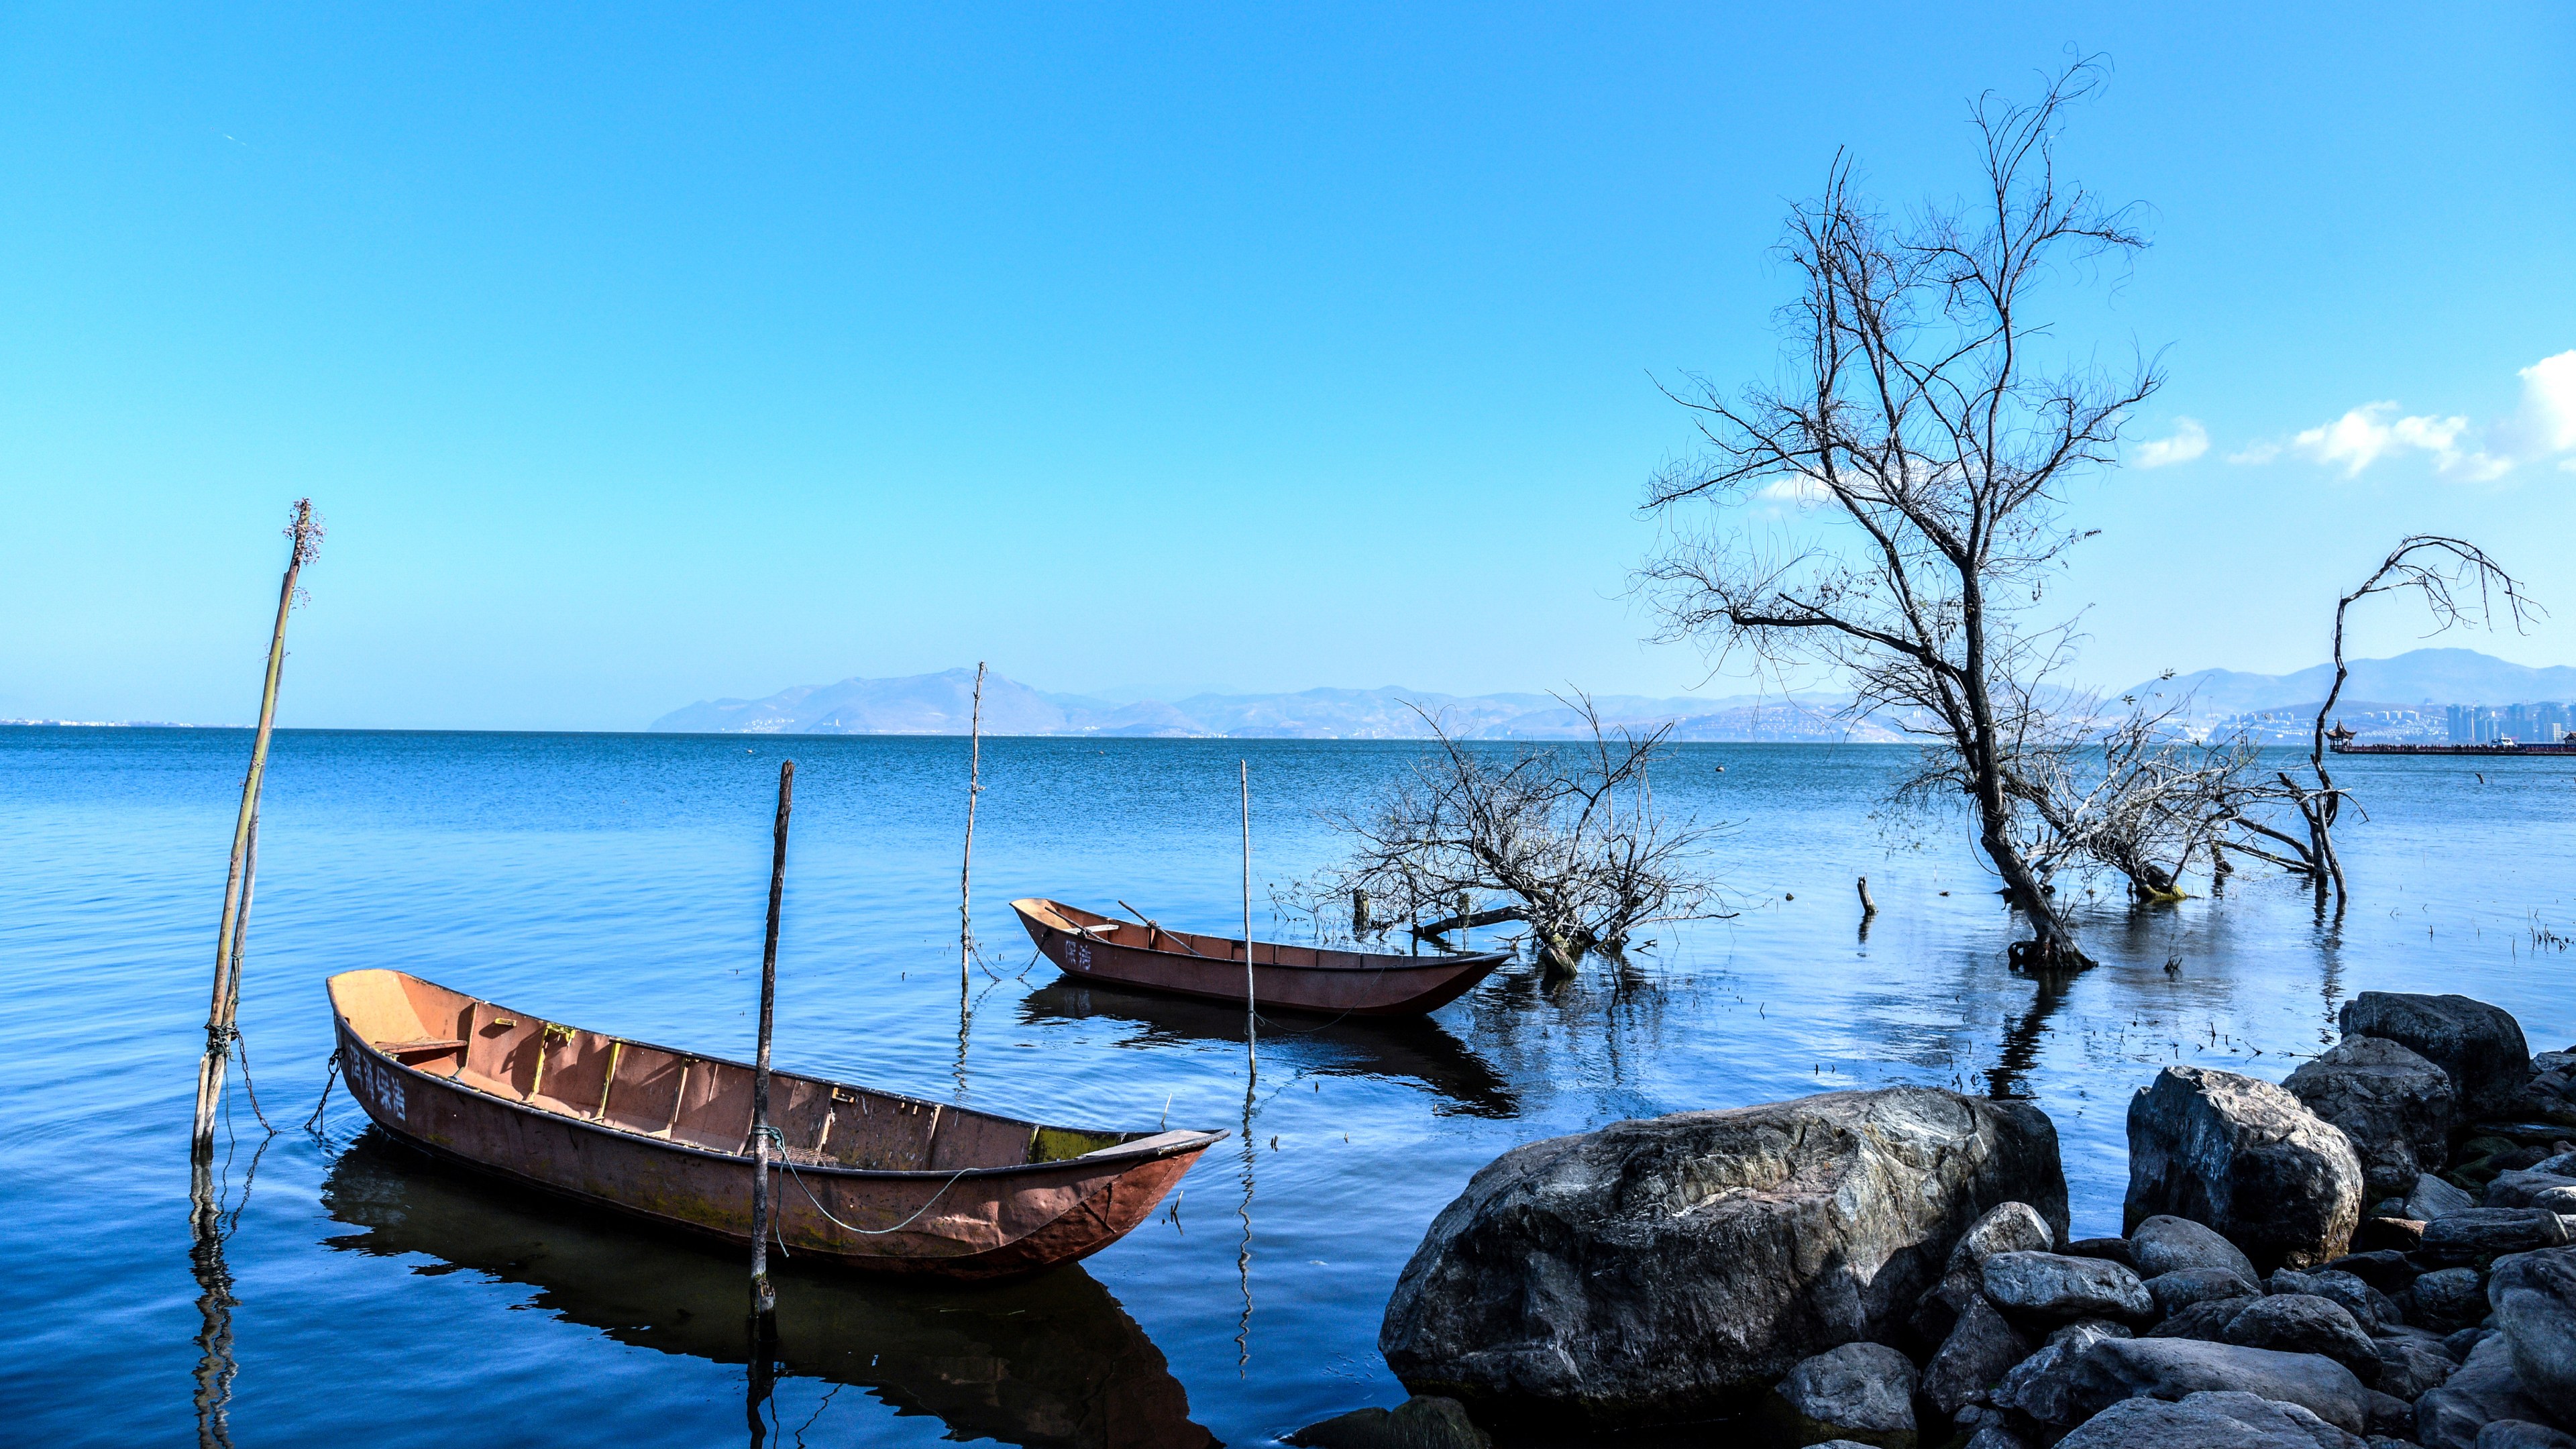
1091 946
870 1180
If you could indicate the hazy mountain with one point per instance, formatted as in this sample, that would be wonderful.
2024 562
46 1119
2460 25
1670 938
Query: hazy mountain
2414 679
939 704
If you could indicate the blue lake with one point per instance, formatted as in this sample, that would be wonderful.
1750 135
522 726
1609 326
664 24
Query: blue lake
619 882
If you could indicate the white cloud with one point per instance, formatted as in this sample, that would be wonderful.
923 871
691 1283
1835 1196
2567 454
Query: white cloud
2189 441
1803 491
2544 425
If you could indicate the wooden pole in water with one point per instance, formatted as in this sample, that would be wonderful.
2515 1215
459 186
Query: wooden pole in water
307 538
966 872
1868 907
764 1299
1251 1056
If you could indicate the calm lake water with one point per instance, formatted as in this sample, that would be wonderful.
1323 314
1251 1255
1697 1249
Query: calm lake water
619 881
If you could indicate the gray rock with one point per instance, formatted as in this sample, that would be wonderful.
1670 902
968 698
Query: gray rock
2521 1187
2480 1047
2564 1164
2165 1244
2208 1420
2244 1157
2559 1200
2206 1320
2448 1299
2434 1198
2522 1434
1981 1348
2369 1307
2386 1270
2387 1415
2480 1392
2042 1386
1995 1436
2410 1367
1863 1390
2304 1323
2461 1344
2397 1108
2485 1232
1420 1422
2054 1288
2184 1287
1656 1271
2007 1228
2534 1295
2090 1329
2171 1368
2114 1249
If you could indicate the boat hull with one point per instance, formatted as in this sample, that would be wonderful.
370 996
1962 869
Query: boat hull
1284 978
947 1221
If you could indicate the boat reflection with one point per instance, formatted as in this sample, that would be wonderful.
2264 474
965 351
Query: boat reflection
1417 1047
1050 1360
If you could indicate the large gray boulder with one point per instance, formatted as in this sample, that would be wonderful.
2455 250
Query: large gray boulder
2050 1288
2042 1386
2172 1368
2410 1367
2534 1295
2372 1309
2481 1391
2165 1244
2184 1287
1665 1270
2522 1434
2433 1198
2208 1420
2526 1187
1420 1422
2302 1323
1860 1391
2485 1232
2245 1158
2480 1047
2006 1228
2397 1109
1981 1348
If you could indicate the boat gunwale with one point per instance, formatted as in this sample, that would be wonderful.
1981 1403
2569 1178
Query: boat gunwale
1117 1154
1455 958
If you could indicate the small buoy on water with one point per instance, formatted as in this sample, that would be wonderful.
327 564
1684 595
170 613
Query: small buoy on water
1788 895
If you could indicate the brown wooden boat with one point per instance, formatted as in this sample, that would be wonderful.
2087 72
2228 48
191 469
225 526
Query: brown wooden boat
1090 946
870 1179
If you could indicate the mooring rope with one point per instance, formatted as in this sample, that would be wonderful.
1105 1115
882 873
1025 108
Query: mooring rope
784 1161
333 1075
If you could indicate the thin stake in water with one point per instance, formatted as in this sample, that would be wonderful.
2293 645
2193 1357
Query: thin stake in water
966 872
764 1298
220 1013
1251 1056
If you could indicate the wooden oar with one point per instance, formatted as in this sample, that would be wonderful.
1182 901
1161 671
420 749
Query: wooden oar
1157 930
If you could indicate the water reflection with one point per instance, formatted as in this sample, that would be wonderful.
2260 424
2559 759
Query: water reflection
1414 1047
1045 1361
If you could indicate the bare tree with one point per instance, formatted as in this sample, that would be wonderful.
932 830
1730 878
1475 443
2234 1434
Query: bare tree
2138 797
1569 834
2460 584
1921 421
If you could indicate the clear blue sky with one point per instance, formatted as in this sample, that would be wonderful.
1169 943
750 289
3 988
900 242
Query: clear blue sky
643 355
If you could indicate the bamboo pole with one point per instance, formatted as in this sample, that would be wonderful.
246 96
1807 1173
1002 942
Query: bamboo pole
225 999
764 1298
1251 1055
966 871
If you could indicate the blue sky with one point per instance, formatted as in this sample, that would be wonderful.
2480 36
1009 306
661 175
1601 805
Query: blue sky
646 355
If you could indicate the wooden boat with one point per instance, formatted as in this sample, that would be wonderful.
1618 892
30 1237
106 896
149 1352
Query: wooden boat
1089 946
869 1179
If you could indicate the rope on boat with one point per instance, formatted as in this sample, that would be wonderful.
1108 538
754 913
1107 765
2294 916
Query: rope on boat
789 1163
312 1123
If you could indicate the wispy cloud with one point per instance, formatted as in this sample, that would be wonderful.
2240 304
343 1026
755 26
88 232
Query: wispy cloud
2189 441
2542 427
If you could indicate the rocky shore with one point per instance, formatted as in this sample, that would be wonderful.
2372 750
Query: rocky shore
2374 1252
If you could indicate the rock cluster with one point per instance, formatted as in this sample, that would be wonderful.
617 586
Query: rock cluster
2377 1253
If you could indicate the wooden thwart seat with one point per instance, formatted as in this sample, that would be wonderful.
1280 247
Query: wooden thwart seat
416 1048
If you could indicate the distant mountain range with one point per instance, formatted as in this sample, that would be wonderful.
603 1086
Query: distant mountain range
941 704
2412 680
